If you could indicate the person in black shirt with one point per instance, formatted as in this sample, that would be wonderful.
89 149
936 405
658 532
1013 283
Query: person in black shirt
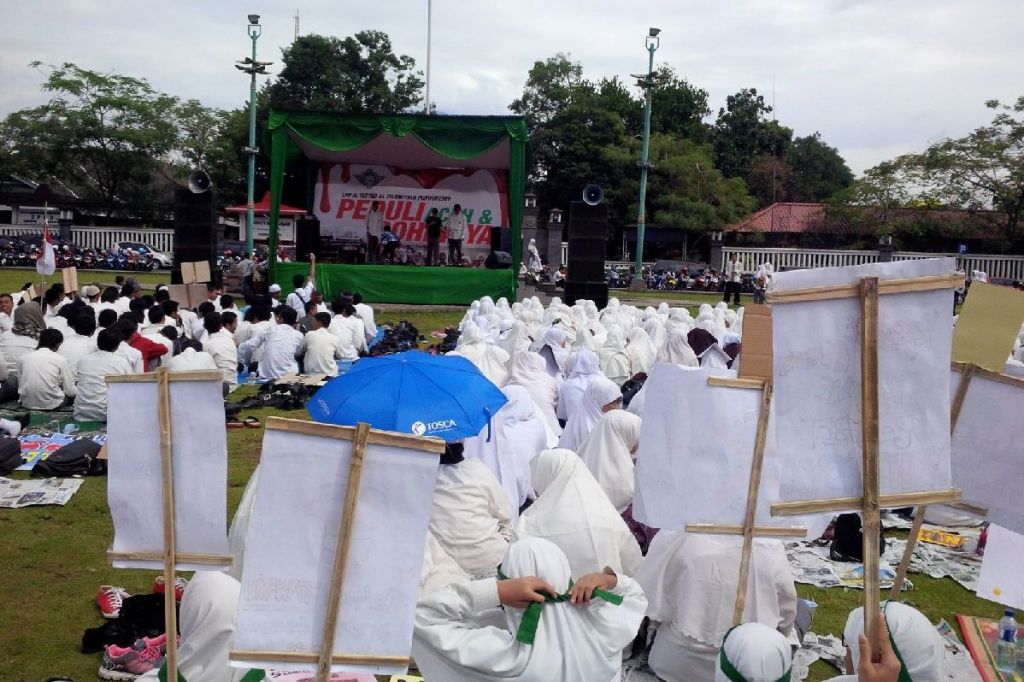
434 226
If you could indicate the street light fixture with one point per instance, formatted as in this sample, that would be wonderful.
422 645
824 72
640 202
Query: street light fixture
651 42
252 67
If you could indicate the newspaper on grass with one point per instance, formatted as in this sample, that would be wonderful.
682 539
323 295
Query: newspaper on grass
16 493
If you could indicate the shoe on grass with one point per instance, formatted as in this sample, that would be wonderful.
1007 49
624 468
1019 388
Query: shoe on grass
109 599
179 586
128 663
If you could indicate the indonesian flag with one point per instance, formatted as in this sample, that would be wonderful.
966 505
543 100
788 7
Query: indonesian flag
46 263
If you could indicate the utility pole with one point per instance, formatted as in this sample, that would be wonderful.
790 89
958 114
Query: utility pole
430 12
252 67
647 83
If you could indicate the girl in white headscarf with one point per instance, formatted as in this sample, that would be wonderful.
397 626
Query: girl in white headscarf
573 512
528 370
608 453
655 328
916 643
517 434
555 351
579 638
585 368
614 358
516 339
677 351
691 580
491 360
641 351
600 396
754 653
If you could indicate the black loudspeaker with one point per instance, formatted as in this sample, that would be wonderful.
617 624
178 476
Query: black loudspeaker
194 236
501 239
307 238
498 260
588 239
596 291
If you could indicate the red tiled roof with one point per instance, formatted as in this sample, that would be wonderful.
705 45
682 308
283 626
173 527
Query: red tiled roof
791 217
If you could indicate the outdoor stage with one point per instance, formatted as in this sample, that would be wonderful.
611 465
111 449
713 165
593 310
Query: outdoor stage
403 283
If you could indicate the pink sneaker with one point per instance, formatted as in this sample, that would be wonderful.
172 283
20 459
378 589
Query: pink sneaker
109 599
158 643
128 663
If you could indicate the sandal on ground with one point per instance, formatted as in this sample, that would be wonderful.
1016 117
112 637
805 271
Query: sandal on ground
252 422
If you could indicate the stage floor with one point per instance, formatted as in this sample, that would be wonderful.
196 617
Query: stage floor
404 283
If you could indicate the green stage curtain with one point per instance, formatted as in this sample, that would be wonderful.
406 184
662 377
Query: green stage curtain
403 284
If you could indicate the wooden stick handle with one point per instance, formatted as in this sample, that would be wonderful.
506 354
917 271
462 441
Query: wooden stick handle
869 435
167 471
348 514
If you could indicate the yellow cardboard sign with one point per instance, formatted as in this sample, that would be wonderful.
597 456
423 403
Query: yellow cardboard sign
989 321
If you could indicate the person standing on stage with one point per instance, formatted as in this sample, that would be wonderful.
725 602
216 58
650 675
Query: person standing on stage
434 237
374 228
456 233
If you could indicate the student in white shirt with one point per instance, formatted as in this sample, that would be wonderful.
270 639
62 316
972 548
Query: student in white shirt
213 295
347 326
107 319
456 227
280 345
6 310
374 229
260 320
220 344
44 377
365 314
199 325
79 342
304 288
227 304
91 388
323 349
24 335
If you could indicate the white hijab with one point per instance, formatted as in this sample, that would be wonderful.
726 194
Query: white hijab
598 393
528 370
614 358
916 641
516 339
517 435
586 367
690 581
491 360
555 350
641 351
757 652
573 512
607 452
655 328
677 351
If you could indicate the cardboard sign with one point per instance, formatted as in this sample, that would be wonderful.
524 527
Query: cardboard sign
1001 579
70 276
756 353
989 322
195 271
135 479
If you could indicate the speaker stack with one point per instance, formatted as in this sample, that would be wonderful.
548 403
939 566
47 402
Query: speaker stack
588 237
194 236
307 238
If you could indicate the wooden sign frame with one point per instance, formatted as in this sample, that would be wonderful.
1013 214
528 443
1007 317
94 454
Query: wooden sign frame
868 290
162 377
748 530
360 435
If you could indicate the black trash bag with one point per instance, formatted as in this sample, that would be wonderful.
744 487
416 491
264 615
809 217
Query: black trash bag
848 540
10 455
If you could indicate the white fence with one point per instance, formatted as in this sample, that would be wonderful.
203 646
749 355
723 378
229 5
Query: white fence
102 237
1002 267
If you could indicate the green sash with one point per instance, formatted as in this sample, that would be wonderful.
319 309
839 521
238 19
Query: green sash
531 618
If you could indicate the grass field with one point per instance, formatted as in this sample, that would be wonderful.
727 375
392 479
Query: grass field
52 560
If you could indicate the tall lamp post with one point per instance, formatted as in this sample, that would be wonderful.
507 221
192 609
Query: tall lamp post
647 83
252 67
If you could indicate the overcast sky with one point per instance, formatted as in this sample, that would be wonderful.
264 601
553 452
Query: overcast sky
876 77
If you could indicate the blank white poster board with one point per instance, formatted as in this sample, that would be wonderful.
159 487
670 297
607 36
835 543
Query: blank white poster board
290 548
199 453
1001 579
988 448
696 450
818 383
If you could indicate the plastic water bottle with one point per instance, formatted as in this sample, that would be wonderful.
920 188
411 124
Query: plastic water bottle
1006 647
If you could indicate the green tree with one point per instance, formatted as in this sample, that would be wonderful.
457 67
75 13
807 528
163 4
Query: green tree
818 171
360 73
677 107
742 133
105 134
551 85
199 130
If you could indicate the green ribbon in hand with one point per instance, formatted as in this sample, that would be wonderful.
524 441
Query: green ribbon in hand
531 617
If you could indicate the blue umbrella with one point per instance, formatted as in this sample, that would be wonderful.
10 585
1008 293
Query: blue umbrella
444 396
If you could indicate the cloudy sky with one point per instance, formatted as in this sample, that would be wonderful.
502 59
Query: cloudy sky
875 77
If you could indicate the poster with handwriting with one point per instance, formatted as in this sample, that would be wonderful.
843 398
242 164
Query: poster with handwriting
291 542
988 448
135 482
817 368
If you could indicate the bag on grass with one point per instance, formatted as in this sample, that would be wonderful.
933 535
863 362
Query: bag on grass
77 458
10 455
848 544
